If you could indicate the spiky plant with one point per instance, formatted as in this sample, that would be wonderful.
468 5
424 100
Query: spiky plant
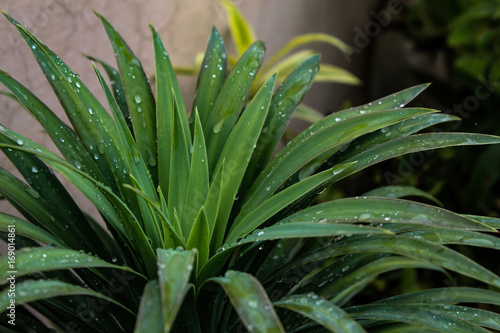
204 231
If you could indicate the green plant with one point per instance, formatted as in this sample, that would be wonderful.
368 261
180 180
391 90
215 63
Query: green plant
197 212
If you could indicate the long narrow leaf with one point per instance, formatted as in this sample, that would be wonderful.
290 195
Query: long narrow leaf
321 311
237 152
211 78
230 101
32 260
138 95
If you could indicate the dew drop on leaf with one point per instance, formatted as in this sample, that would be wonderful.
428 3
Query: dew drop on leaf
218 126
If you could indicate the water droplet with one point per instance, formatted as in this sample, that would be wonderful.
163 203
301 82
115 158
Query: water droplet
33 193
78 84
101 148
20 142
345 268
338 119
218 126
137 99
78 164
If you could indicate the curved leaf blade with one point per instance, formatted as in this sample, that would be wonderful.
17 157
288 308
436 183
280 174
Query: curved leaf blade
321 311
38 259
250 302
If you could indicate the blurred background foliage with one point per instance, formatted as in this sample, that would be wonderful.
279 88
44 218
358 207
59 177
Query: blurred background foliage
455 45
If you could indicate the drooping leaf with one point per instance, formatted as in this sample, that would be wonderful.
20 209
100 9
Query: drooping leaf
33 290
401 191
426 318
32 260
321 311
250 302
26 229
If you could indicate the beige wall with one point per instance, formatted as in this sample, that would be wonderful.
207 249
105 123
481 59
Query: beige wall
70 29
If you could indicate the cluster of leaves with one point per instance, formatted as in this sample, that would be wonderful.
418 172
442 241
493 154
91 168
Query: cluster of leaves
197 212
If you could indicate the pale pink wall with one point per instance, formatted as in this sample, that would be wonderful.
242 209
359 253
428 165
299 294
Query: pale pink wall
70 29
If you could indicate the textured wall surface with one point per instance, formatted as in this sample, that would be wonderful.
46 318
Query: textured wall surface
71 29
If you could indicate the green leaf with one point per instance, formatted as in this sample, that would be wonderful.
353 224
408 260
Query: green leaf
61 134
198 186
385 210
117 215
464 237
250 302
237 152
406 313
38 259
448 295
138 171
199 238
281 200
410 247
308 229
287 97
321 311
471 315
343 289
138 94
118 91
174 287
241 31
401 191
213 202
90 120
230 101
26 229
37 210
211 78
171 120
180 164
150 318
493 222
313 143
330 73
34 290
